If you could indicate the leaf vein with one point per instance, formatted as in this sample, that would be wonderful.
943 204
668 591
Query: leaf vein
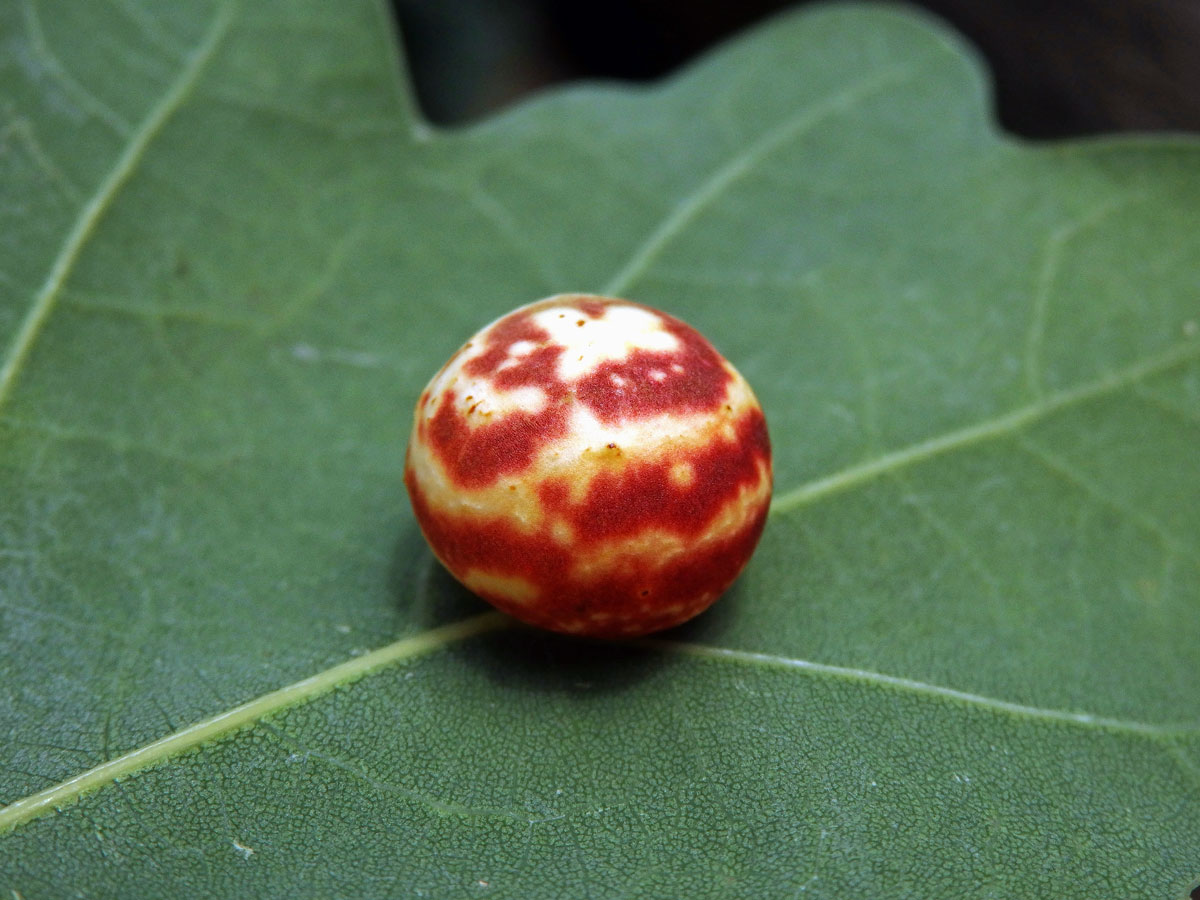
1056 245
1189 768
1063 470
99 203
911 685
692 204
23 810
1166 407
122 446
116 306
437 805
338 128
149 29
981 432
22 130
947 535
55 68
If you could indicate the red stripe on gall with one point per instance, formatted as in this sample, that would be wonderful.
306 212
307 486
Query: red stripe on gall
591 466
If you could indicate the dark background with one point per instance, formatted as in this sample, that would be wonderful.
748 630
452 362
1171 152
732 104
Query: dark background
1060 67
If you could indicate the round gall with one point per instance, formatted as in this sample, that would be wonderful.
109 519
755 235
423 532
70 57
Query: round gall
591 466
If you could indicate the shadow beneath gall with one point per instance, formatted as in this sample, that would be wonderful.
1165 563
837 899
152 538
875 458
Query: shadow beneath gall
540 662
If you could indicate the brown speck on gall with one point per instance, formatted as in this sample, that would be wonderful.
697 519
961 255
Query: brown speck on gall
517 508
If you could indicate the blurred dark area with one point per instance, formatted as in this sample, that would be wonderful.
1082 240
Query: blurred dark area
1059 69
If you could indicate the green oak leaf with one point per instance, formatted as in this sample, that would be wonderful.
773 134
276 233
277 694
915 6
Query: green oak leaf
962 663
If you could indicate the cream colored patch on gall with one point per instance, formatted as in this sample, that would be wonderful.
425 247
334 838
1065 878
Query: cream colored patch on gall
510 587
515 500
613 337
478 399
667 432
683 475
562 532
517 351
630 553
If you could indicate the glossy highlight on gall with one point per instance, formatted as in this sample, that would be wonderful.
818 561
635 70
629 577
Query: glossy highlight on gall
591 466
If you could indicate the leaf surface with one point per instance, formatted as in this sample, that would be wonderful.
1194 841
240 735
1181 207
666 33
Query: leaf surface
231 254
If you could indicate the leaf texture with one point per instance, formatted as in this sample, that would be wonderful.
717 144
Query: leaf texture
231 254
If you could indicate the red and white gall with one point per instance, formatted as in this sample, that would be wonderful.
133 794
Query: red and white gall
591 466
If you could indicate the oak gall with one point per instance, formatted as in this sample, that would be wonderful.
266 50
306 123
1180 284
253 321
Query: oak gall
591 466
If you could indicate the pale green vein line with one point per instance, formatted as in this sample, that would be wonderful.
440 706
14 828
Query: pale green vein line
991 429
55 68
1179 413
51 799
120 445
95 208
22 130
865 676
1056 245
149 28
1189 768
949 536
511 231
1074 478
439 806
720 181
119 306
336 127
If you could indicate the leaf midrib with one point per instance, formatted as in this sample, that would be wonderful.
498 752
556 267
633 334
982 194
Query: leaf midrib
225 723
110 187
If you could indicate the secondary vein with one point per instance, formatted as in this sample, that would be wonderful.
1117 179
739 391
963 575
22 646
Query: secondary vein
21 811
682 214
95 208
989 429
921 687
